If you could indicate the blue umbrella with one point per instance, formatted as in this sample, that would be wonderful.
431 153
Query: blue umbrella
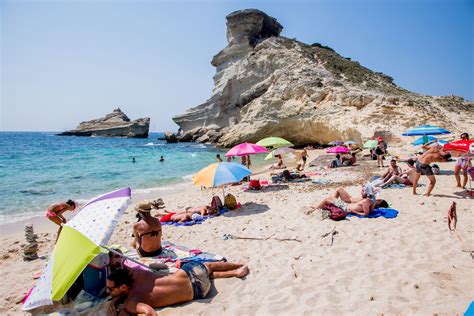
425 130
421 141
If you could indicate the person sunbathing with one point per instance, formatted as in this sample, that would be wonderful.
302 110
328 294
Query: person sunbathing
406 177
349 161
422 165
147 232
187 215
343 200
136 291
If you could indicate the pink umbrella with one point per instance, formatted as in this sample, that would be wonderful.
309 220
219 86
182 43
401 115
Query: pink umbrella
338 150
245 149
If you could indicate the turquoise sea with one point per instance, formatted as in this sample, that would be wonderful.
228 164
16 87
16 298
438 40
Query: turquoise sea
39 168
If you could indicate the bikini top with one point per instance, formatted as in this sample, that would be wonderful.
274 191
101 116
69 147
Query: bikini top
152 233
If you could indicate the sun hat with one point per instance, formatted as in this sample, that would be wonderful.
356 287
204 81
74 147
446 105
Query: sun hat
143 206
379 138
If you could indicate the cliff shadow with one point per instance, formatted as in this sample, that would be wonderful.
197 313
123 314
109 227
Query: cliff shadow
247 209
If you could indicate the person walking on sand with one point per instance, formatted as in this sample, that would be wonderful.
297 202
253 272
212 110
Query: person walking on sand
140 291
422 165
462 163
147 232
55 213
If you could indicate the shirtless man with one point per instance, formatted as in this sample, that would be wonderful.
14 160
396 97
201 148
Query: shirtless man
406 177
422 165
343 200
141 291
147 232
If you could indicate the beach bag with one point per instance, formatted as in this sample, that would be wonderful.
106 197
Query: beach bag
435 169
95 275
335 213
230 202
255 185
216 203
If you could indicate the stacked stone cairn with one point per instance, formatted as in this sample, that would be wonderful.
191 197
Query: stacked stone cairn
30 250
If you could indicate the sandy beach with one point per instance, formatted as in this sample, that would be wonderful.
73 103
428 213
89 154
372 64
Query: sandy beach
411 264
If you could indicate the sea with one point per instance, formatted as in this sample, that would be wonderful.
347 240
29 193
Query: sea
41 168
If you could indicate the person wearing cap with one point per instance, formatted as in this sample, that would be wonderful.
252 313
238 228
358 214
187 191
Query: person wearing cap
147 232
55 213
380 151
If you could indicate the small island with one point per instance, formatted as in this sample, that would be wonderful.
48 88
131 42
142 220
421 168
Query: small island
115 124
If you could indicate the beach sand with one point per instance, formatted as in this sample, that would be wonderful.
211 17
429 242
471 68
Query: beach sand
408 265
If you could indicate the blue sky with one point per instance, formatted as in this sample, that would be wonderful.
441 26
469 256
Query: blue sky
64 62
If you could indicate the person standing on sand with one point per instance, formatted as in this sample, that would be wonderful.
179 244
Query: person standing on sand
55 213
304 157
380 151
141 291
147 232
422 165
462 163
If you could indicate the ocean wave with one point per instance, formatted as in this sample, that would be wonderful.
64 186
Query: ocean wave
152 144
163 188
187 177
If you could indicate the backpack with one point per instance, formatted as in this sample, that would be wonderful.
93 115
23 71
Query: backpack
335 213
216 203
230 202
255 185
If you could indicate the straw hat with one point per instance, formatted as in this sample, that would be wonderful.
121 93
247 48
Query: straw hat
143 206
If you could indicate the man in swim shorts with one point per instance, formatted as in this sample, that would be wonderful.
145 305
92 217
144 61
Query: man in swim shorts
422 165
137 291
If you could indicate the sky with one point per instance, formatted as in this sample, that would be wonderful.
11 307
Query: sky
63 62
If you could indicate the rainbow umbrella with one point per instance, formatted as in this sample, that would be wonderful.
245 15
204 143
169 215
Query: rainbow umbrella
246 149
81 239
338 150
221 173
274 142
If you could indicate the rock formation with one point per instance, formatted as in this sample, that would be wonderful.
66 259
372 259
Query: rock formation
30 250
115 124
266 84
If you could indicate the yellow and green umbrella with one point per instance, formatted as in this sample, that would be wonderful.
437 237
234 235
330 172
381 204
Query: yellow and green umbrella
274 142
81 239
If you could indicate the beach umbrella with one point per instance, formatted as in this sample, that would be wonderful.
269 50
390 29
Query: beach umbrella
279 151
371 143
218 174
245 149
425 130
421 140
274 142
81 239
338 150
350 142
461 145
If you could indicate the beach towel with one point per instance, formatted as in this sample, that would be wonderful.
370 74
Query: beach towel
197 221
379 212
470 310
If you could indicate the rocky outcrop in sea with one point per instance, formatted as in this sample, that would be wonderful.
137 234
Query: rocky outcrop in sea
269 85
115 124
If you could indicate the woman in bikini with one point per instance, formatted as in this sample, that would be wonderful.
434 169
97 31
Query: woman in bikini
187 214
55 213
147 232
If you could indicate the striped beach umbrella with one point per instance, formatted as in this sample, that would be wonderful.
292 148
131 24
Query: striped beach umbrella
425 130
81 239
221 173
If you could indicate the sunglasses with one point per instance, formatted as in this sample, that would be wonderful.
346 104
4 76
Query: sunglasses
110 288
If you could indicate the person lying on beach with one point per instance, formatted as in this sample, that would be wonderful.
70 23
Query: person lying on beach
349 204
187 215
147 232
349 161
136 291
55 213
422 165
405 177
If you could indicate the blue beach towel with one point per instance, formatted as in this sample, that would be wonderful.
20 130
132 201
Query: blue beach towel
379 212
470 310
190 223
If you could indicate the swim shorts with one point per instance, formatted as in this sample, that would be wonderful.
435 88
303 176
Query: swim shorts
423 169
407 182
199 277
341 204
462 162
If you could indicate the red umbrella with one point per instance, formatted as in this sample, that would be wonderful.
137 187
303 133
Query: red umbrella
461 145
